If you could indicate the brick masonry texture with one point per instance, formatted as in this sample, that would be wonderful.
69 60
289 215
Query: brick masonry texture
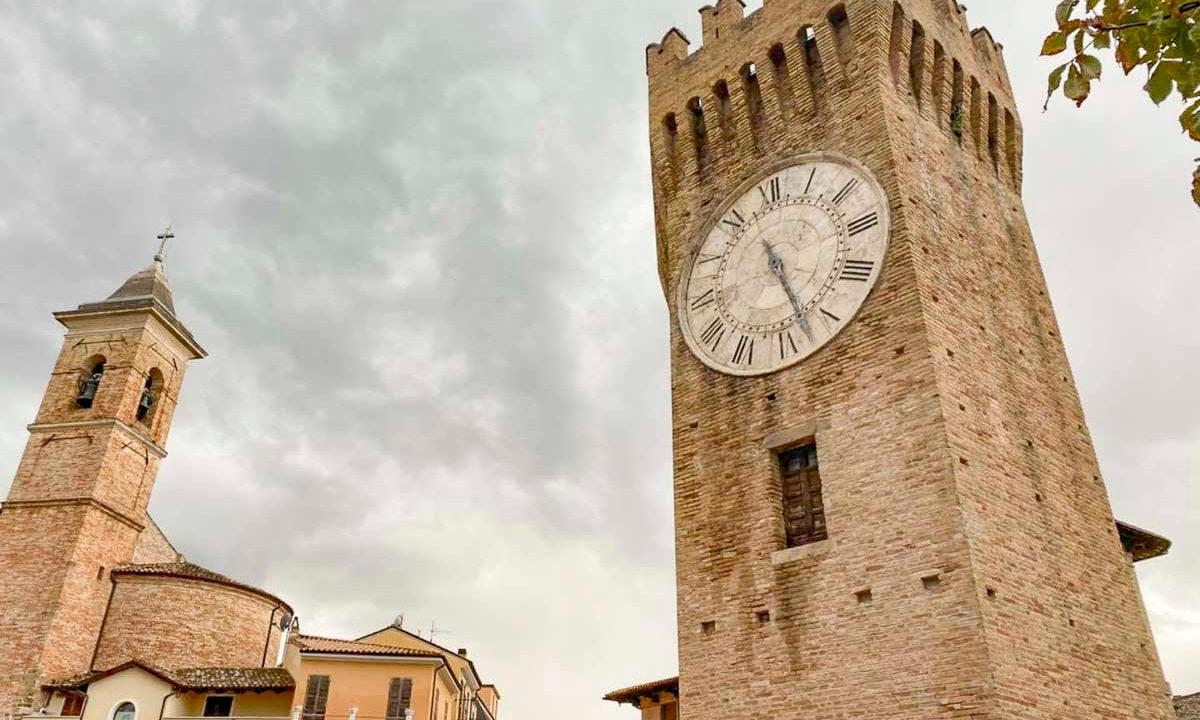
77 507
961 484
178 622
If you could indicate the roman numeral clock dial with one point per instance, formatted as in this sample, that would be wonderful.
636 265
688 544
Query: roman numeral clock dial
785 265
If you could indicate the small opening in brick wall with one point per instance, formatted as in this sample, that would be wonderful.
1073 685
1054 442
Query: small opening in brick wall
695 426
1038 497
772 397
899 351
949 352
763 616
991 593
964 461
708 627
863 596
932 582
1071 622
962 407
100 573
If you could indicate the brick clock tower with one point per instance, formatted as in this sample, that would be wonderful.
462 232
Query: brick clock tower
77 507
887 502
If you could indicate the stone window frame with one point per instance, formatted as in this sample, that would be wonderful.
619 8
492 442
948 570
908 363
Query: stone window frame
776 443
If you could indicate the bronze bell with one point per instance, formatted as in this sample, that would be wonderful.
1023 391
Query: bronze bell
87 394
145 404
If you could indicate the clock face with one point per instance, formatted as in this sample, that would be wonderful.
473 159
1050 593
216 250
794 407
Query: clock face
785 265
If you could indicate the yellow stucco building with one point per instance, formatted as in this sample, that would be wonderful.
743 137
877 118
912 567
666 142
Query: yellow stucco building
390 674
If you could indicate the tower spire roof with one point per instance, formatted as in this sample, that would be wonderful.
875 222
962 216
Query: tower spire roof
147 289
148 285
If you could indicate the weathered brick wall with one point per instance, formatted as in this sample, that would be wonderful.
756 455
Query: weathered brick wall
917 407
154 547
180 622
54 585
78 501
1066 629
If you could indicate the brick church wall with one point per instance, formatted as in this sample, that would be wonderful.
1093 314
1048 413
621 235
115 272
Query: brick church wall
35 565
77 506
180 622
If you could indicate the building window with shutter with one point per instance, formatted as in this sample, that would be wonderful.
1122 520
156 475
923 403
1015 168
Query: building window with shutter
803 505
73 706
315 697
399 699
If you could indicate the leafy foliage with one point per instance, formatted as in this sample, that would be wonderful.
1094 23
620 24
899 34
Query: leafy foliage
1161 35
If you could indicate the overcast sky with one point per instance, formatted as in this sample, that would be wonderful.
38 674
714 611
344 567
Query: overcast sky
416 238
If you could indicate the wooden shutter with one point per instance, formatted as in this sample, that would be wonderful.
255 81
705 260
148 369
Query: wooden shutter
803 504
315 697
73 706
399 698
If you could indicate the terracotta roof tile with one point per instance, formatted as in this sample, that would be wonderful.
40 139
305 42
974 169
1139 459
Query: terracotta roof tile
649 690
234 679
195 679
315 644
193 572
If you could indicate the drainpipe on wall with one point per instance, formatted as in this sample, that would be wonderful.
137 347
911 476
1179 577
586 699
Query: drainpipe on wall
100 635
270 629
163 708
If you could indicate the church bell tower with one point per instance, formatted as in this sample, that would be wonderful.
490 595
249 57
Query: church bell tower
887 502
77 506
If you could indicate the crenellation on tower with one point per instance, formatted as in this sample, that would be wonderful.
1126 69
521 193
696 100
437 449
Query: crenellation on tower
717 20
825 49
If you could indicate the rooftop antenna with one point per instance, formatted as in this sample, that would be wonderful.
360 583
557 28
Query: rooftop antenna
167 236
433 630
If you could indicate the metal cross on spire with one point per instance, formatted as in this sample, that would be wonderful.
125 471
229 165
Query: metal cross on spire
166 237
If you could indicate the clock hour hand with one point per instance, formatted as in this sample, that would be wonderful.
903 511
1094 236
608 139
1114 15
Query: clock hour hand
776 264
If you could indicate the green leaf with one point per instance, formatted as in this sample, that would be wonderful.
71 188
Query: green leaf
1103 40
1090 65
1196 186
1128 55
1063 12
1055 43
1077 86
1056 78
1160 84
1190 120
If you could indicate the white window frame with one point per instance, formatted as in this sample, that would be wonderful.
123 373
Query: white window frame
112 714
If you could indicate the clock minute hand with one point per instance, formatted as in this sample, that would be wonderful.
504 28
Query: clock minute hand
776 264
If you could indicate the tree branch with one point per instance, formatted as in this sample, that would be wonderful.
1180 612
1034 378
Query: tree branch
1099 25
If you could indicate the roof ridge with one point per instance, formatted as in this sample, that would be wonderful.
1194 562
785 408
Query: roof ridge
190 570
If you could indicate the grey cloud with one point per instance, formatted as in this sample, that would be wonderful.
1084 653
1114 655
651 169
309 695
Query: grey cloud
417 239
